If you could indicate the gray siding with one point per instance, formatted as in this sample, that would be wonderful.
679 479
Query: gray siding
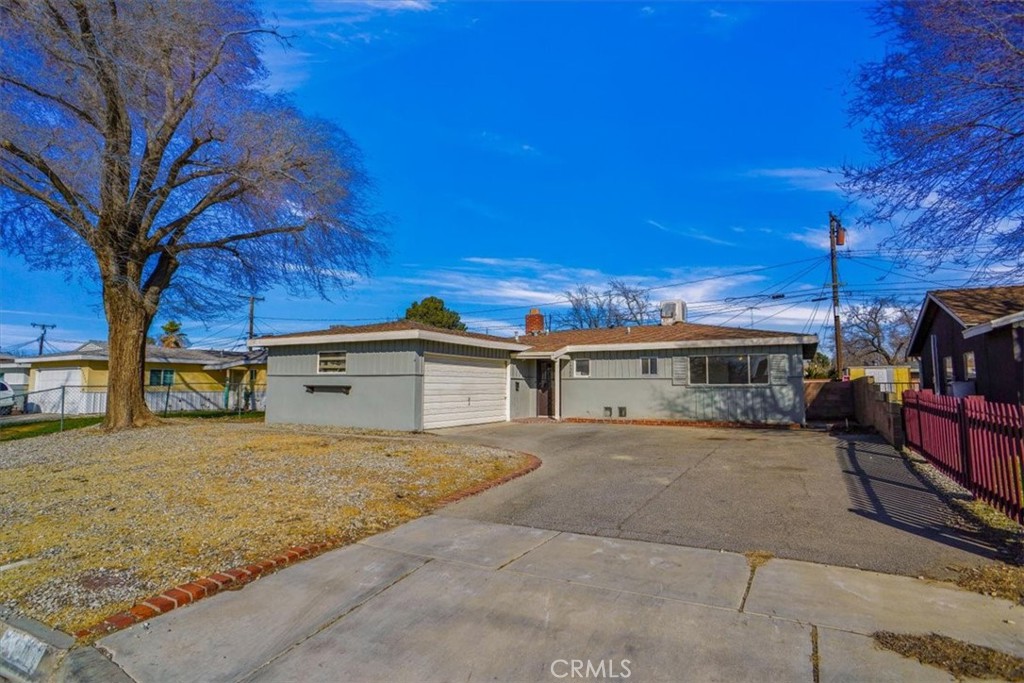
385 379
656 397
523 390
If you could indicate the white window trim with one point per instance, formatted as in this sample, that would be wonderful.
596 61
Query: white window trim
649 360
331 372
575 366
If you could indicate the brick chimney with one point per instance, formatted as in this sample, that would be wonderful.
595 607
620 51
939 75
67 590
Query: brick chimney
534 322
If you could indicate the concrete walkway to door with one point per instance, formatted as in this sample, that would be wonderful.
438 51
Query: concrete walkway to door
805 495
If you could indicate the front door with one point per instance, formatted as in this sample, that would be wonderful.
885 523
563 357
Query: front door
545 392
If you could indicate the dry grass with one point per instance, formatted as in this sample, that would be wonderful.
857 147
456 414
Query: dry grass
103 520
998 580
758 558
962 660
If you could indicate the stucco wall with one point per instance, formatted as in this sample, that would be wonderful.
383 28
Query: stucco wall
385 379
523 389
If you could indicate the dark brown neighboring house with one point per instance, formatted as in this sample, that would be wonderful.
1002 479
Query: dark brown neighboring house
971 342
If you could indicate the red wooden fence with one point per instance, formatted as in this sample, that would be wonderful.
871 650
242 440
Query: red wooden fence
977 443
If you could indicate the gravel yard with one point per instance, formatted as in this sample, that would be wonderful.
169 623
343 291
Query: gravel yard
93 522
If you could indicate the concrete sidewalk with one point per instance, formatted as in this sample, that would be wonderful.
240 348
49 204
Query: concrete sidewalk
444 599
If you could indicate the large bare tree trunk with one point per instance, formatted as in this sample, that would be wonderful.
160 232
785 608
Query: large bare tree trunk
129 322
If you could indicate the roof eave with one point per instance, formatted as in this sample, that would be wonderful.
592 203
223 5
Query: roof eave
801 339
393 335
995 324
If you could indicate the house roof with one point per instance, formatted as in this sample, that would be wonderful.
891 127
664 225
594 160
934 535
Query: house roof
397 329
98 350
649 334
978 310
982 304
553 343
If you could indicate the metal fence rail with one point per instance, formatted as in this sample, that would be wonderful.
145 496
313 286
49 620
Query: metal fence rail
977 443
76 400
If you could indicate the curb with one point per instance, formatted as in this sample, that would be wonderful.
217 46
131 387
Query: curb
685 423
233 579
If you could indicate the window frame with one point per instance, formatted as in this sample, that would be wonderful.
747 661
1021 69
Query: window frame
163 377
750 375
970 368
320 362
576 367
948 371
652 366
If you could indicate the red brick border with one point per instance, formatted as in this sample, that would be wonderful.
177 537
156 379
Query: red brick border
683 423
190 592
532 463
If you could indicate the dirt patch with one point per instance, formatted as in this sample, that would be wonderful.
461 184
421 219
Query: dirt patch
961 659
997 580
758 558
105 520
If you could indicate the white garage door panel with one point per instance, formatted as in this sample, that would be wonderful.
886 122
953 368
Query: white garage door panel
52 378
463 391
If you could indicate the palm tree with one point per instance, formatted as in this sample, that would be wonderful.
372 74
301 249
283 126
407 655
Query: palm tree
173 337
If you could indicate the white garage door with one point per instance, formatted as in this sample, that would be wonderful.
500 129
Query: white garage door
53 378
463 391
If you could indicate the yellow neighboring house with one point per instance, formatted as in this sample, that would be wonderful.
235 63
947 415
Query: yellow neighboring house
176 379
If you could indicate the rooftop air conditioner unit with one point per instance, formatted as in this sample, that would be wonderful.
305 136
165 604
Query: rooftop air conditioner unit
673 312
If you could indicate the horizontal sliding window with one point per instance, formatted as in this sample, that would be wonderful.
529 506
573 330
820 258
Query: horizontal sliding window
649 366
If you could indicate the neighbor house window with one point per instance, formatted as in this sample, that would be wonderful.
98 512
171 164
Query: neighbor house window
947 369
970 369
161 378
581 367
331 361
751 369
649 366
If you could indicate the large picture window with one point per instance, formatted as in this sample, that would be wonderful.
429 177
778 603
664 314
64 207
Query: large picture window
752 369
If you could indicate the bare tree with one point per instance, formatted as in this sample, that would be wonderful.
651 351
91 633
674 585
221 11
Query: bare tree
588 308
878 333
620 304
137 148
942 113
631 303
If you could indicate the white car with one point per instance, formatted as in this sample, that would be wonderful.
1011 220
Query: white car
6 399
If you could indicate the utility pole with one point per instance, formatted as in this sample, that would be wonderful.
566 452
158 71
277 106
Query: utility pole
252 313
836 235
250 400
42 336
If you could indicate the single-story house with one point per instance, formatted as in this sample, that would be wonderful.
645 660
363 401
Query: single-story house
407 376
12 374
970 342
176 379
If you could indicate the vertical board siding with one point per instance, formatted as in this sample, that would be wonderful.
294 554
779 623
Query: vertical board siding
668 395
364 358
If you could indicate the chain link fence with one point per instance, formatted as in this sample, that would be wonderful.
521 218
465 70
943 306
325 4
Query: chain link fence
71 400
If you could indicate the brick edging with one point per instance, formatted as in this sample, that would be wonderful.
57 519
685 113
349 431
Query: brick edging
187 593
532 463
704 424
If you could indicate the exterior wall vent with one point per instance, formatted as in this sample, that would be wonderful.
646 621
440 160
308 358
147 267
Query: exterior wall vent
622 411
607 411
673 312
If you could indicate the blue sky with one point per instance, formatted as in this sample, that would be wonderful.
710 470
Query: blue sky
522 148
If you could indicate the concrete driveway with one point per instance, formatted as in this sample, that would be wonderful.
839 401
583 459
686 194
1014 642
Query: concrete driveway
498 587
805 495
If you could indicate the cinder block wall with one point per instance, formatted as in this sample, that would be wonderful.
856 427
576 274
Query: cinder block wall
871 408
